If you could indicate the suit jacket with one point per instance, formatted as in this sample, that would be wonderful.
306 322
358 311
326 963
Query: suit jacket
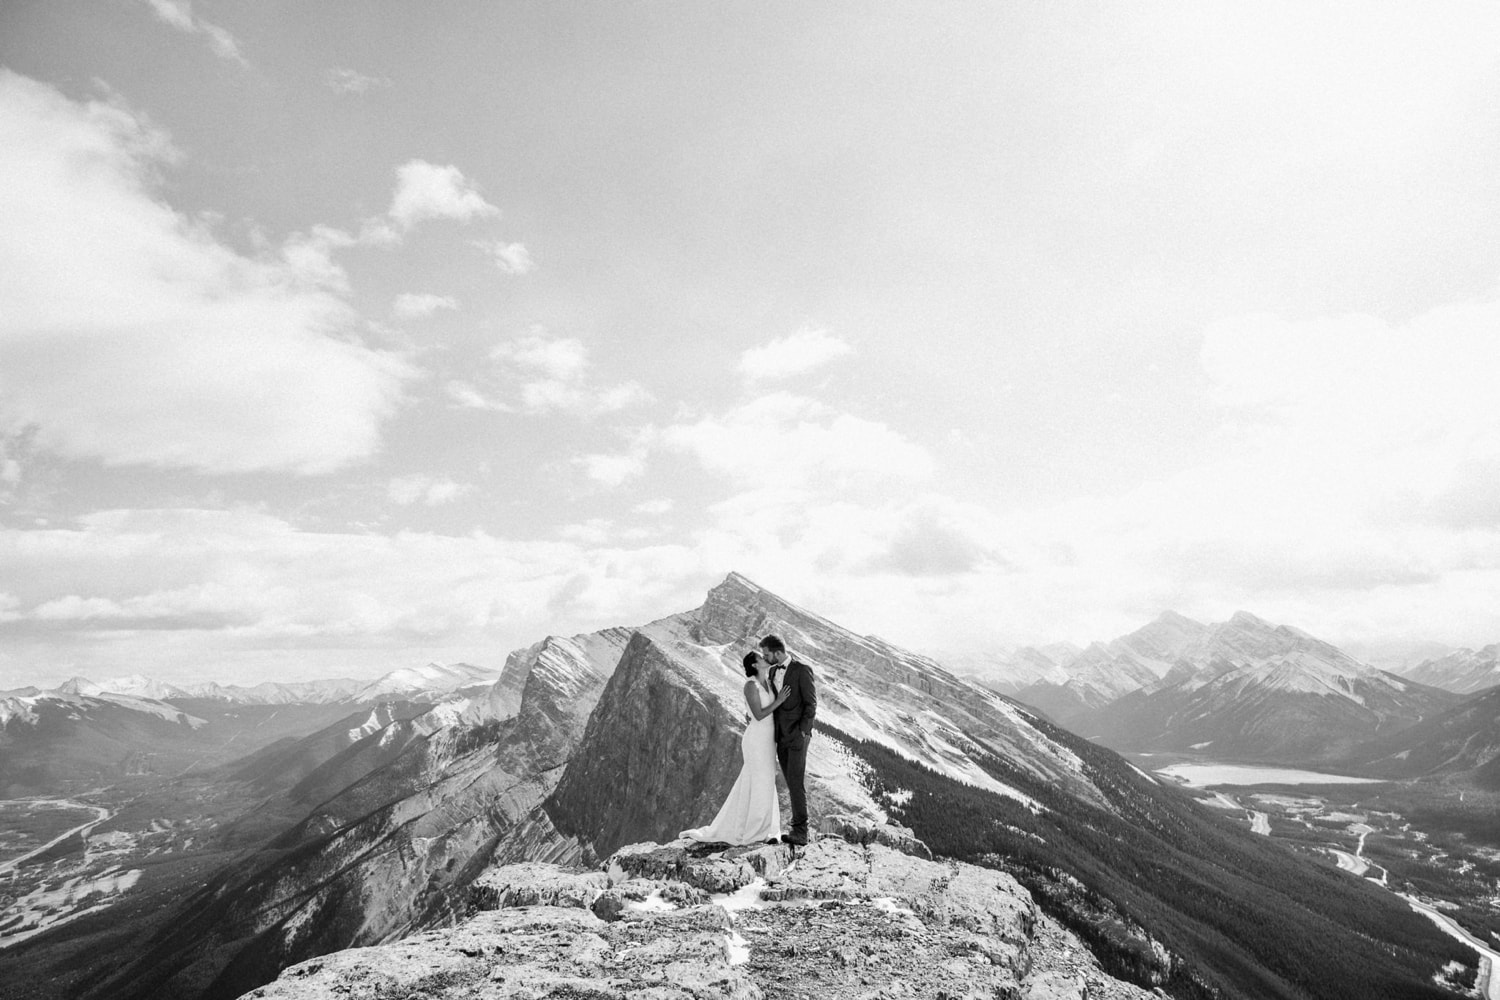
795 715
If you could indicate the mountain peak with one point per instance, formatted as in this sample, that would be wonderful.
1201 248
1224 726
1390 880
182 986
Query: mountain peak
737 584
1245 619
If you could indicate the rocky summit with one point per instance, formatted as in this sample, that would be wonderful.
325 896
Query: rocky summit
864 912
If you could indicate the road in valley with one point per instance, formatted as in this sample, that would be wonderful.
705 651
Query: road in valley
1488 982
100 815
1259 822
1489 958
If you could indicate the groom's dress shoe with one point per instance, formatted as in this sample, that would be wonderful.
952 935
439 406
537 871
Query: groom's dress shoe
794 840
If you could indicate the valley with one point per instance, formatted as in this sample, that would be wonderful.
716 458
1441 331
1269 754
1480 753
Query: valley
126 849
1435 846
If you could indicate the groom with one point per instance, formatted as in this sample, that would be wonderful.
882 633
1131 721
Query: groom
794 725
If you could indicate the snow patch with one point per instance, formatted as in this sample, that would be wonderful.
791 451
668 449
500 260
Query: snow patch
52 904
928 739
653 903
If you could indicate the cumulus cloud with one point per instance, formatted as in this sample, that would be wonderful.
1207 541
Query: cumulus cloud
179 14
512 258
342 80
429 191
792 355
407 490
542 374
415 305
131 335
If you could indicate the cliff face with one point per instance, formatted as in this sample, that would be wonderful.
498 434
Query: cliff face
661 748
838 920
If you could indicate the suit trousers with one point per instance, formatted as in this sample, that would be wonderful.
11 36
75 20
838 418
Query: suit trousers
792 756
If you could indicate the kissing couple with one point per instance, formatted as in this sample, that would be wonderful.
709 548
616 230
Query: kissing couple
783 699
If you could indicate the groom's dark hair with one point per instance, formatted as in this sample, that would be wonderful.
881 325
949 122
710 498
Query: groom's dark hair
749 662
773 644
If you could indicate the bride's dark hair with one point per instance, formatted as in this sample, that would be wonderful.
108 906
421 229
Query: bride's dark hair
749 662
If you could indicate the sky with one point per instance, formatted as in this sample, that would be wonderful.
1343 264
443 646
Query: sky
342 337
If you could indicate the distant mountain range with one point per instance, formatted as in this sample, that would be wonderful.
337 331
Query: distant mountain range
1463 670
1240 689
83 732
406 682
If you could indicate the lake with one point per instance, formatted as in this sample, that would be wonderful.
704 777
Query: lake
1204 775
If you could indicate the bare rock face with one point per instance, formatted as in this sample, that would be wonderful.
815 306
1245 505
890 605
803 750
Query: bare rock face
862 830
836 920
661 748
532 884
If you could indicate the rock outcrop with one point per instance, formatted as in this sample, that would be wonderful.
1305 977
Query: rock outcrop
838 920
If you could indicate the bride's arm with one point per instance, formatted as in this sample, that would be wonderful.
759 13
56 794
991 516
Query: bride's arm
752 701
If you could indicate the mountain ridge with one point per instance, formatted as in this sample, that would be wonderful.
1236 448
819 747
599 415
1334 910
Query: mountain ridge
586 741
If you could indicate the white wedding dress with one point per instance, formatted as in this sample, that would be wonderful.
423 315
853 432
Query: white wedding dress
752 813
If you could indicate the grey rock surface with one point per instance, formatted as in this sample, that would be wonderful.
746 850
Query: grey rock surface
838 920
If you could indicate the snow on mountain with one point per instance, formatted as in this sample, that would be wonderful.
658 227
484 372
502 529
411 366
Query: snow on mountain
138 686
151 706
25 708
80 685
1464 671
1253 689
319 692
432 679
19 706
1104 672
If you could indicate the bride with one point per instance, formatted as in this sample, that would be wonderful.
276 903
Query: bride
752 813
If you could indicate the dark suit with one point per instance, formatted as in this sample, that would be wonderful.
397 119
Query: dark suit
794 726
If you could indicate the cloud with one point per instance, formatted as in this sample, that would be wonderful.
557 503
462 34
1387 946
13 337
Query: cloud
512 258
169 590
179 14
560 359
415 305
613 470
541 374
407 490
428 191
793 355
796 438
347 81
1355 415
309 255
132 336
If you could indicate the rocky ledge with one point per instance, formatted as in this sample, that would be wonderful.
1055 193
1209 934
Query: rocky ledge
863 912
